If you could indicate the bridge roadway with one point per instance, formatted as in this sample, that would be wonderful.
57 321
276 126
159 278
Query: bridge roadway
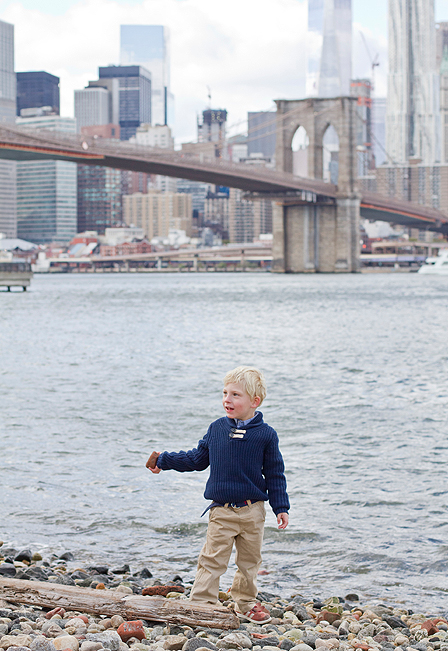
23 143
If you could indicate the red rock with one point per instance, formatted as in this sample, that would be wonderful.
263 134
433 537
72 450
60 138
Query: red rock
327 617
259 636
262 572
84 618
362 646
131 629
431 626
100 586
56 611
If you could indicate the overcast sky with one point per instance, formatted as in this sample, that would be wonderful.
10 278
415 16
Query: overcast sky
249 52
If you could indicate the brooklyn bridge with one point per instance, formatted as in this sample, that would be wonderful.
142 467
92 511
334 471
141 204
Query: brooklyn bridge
315 223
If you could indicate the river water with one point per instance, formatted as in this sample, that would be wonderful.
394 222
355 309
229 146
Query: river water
96 371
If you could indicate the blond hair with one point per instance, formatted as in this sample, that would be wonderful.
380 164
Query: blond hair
251 378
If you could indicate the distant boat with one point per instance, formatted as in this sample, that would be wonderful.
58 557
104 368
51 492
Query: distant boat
436 266
15 274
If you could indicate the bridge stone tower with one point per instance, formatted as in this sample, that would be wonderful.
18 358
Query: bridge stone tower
315 233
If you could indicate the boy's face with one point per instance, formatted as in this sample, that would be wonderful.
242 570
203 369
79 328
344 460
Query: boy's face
237 402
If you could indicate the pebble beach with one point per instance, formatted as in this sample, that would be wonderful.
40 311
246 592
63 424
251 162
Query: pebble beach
298 622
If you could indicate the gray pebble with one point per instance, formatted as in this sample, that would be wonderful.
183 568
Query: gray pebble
41 643
197 642
303 647
286 645
300 612
269 641
109 639
309 639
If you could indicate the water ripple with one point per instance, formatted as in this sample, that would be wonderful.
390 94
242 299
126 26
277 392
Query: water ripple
109 367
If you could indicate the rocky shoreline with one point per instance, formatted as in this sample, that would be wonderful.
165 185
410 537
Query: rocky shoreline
298 624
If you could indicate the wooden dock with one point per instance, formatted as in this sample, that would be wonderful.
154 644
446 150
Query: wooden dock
15 274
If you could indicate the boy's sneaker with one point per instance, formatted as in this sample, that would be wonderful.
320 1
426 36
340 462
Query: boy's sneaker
258 615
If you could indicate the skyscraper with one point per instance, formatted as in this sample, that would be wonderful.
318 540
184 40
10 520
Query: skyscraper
261 126
413 116
379 130
213 128
46 189
134 89
149 46
91 107
8 224
329 48
442 68
37 89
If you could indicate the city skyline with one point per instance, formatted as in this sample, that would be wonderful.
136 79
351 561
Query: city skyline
248 55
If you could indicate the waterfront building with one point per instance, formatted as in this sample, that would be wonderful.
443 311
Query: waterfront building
99 198
158 213
46 189
37 89
92 107
134 96
329 48
413 115
261 133
248 219
149 46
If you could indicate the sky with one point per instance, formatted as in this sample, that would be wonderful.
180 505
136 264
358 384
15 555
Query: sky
249 52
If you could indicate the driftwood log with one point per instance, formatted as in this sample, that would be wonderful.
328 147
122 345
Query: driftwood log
108 602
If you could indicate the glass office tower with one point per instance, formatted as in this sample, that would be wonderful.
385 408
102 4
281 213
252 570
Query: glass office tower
36 89
329 51
149 46
134 90
8 224
413 113
46 190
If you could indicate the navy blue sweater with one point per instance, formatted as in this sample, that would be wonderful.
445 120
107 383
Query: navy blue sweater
248 468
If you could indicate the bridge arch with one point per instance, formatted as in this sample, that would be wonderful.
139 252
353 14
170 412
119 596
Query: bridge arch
330 155
315 114
299 146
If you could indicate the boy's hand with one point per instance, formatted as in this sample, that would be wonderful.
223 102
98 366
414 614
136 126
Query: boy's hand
151 464
282 519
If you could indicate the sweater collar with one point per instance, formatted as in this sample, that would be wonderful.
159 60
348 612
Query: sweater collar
253 422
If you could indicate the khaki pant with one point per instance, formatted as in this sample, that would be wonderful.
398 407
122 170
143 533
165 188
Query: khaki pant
227 525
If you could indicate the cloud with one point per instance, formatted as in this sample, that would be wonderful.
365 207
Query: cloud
249 52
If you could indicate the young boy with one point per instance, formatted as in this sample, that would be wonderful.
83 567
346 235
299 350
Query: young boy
246 469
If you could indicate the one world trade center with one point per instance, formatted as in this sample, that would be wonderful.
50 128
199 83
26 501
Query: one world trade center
329 48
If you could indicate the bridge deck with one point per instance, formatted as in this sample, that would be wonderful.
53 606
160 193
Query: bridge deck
19 143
